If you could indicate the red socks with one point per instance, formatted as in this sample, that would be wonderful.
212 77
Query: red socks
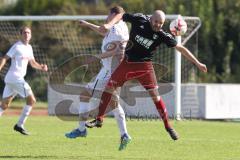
163 112
105 99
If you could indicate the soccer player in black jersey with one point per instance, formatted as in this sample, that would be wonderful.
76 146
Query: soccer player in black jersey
146 34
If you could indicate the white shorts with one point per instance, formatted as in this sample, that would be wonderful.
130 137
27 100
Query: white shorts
100 81
12 89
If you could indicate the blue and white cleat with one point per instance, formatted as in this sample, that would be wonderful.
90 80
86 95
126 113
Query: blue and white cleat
125 139
76 133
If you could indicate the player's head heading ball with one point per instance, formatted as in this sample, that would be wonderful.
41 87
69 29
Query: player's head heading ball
157 20
116 10
113 11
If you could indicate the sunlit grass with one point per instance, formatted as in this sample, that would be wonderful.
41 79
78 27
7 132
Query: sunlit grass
200 140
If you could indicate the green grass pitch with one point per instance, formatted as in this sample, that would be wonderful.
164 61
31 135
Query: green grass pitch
200 140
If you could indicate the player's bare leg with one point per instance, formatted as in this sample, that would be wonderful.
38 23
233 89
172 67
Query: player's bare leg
5 104
161 108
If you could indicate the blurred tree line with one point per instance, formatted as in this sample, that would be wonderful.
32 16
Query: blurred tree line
219 35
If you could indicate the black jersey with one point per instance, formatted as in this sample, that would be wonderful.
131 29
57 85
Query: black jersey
143 41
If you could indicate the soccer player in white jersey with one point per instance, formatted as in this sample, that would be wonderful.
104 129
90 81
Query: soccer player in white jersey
20 54
115 37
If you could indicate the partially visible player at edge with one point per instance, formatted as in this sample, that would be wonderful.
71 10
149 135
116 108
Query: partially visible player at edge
20 54
115 37
146 34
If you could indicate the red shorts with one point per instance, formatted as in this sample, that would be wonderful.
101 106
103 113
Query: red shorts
141 71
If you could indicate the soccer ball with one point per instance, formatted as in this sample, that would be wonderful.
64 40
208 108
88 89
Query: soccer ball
178 27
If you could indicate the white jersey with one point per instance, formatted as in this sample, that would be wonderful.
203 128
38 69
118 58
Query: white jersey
20 54
119 32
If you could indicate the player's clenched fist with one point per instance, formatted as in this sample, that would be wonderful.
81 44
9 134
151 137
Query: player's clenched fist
44 67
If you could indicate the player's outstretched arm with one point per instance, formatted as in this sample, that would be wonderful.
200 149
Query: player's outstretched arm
114 20
36 65
92 26
186 53
3 61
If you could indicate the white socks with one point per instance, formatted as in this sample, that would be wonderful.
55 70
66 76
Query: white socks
24 115
82 126
83 107
120 118
1 111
